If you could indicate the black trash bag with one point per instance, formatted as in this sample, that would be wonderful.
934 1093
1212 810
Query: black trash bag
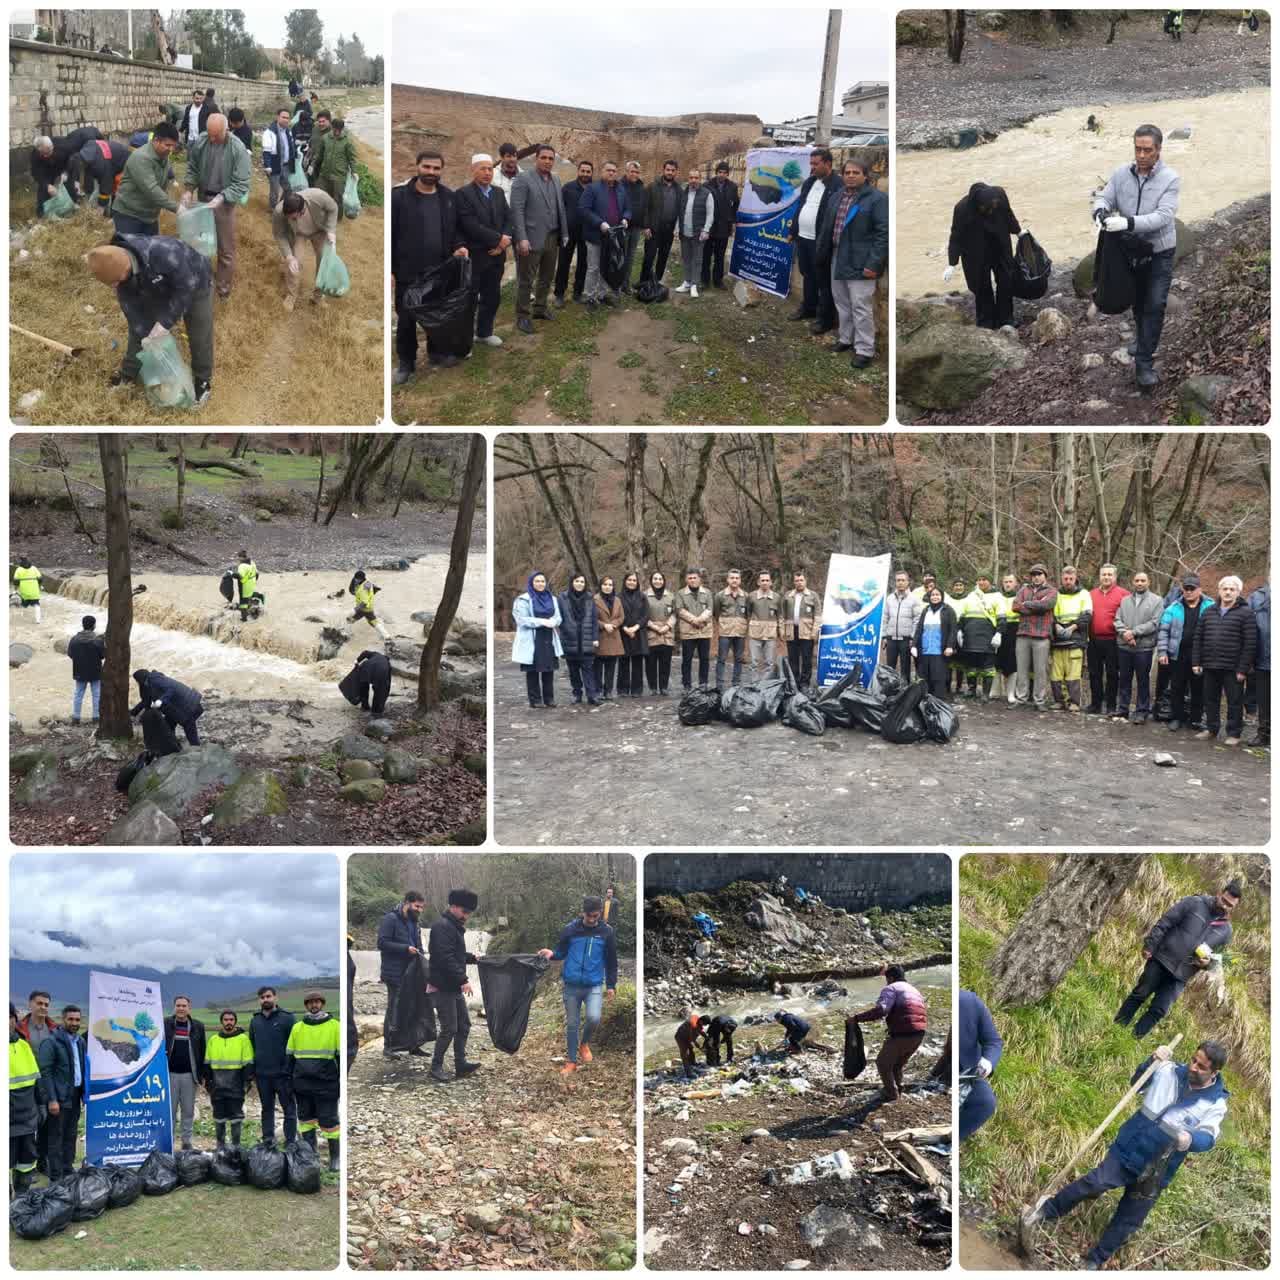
903 721
855 1055
1031 268
159 1174
265 1166
832 708
126 1185
43 1211
194 1167
613 257
941 723
886 681
652 291
699 706
92 1193
124 779
227 585
867 709
440 297
157 734
225 1168
302 1169
507 984
750 705
1114 287
413 1018
801 712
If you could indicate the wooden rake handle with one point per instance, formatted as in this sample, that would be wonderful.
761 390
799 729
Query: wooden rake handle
48 342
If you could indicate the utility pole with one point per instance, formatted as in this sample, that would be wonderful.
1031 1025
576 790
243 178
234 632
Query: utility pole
827 94
129 16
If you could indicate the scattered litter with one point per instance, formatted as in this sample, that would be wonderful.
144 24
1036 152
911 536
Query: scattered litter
744 1228
1195 782
1165 760
836 1165
30 400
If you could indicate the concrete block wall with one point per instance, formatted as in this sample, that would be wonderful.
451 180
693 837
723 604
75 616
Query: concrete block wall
855 881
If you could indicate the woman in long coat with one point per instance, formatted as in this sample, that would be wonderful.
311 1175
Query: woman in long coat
635 637
578 636
980 229
609 650
536 646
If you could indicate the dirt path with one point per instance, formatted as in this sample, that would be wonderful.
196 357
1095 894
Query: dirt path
980 1252
1012 777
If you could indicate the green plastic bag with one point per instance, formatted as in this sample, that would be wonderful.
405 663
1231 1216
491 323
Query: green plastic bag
59 205
332 276
166 375
351 197
297 179
197 228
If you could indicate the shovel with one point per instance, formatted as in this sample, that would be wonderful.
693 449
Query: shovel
1024 1232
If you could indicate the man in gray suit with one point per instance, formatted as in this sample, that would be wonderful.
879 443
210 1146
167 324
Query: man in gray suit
542 226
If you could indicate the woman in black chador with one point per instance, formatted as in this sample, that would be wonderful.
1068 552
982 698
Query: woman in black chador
980 229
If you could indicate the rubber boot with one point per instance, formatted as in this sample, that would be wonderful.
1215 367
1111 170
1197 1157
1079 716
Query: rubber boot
220 1134
334 1162
1073 695
987 682
973 686
310 1139
37 615
235 1136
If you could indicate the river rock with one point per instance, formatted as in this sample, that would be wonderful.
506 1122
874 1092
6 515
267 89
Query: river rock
484 1217
396 564
355 746
332 640
257 794
1121 356
1050 325
40 783
681 1146
1082 276
467 639
357 770
946 366
1092 360
25 759
262 515
769 916
453 685
364 791
143 824
399 766
913 317
61 643
19 654
745 294
1198 398
172 782
379 729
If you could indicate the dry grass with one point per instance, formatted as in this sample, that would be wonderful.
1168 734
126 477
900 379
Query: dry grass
322 365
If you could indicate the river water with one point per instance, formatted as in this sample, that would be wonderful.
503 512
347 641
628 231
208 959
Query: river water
1051 166
659 1033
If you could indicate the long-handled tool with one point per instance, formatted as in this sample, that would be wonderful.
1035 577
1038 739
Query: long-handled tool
1023 1230
48 342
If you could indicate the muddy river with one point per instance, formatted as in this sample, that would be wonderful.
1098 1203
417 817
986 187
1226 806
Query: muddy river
1051 166
659 1032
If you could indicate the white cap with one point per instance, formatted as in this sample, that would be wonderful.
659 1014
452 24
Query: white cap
481 157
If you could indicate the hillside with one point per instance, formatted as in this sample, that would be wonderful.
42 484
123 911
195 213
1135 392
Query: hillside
1065 1064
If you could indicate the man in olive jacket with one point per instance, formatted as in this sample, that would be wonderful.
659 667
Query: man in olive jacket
218 173
143 192
331 160
311 215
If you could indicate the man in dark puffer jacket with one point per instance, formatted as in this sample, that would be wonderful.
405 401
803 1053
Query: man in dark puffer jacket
1225 646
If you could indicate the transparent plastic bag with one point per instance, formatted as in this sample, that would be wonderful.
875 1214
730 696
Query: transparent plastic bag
297 179
166 375
332 277
59 205
197 229
351 197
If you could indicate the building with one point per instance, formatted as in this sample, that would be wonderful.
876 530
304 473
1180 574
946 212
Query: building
863 121
867 102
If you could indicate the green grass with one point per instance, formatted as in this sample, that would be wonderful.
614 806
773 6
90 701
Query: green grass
1065 1064
631 360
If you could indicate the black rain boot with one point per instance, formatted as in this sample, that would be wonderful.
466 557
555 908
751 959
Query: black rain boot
334 1162
310 1139
220 1134
235 1136
973 686
269 1139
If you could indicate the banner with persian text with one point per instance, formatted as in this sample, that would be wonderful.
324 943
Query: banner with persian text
852 612
770 203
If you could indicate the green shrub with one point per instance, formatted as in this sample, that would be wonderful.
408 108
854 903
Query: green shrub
278 500
369 186
170 519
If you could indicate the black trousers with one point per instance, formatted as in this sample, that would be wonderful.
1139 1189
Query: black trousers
486 287
687 649
657 249
713 260
1104 674
579 246
582 678
994 307
454 1025
541 687
932 669
1159 986
631 674
62 1132
1263 679
1220 683
1186 691
273 1089
606 670
897 653
392 988
817 301
800 655
657 667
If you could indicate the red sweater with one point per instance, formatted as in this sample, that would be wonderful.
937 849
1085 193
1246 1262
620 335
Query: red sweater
1105 604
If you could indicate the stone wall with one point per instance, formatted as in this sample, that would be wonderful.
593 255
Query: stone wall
54 90
855 881
460 124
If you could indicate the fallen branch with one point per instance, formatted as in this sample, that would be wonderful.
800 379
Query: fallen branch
930 1133
923 1170
896 1161
205 464
144 535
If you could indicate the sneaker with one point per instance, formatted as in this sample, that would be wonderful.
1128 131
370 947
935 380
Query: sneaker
683 287
202 391
568 1069
861 362
584 1054
839 347
401 376
1231 742
1122 716
491 341
693 291
1204 734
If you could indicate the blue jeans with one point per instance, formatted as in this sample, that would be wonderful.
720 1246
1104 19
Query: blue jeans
77 700
1152 283
977 1108
574 998
1130 1213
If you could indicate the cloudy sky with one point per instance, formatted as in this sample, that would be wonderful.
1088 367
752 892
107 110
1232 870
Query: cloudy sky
265 22
761 61
222 914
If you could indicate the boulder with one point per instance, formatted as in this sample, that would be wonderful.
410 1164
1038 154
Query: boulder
399 766
61 643
381 730
946 366
470 833
468 638
424 616
484 1217
1199 397
303 775
1050 325
39 784
453 685
172 782
143 824
365 791
20 654
262 515
1082 276
332 639
257 794
357 770
355 746
745 294
825 1224
773 920
474 763
912 317
396 564
25 759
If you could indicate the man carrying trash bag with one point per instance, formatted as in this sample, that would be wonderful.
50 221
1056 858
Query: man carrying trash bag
312 215
218 170
589 950
158 281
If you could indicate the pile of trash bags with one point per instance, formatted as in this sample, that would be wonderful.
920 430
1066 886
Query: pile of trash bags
899 712
91 1190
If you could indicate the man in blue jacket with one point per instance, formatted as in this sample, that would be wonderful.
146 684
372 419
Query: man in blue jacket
796 1029
269 1034
399 940
588 949
177 702
980 1050
63 1069
1260 603
1182 1110
603 206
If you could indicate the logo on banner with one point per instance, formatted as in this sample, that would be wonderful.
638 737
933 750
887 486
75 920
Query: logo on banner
852 613
770 204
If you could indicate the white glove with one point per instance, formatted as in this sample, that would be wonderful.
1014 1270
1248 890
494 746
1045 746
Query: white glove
960 637
983 1068
995 640
158 332
947 274
188 199
217 200
604 226
155 706
293 265
1184 1140
1116 222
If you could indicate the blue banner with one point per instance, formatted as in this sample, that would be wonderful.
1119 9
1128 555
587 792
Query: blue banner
770 204
128 1112
852 611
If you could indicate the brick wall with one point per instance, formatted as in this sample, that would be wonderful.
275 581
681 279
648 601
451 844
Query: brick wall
855 881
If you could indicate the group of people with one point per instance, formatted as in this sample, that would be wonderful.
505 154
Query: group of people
1183 1105
587 949
1038 637
291 1060
160 280
627 638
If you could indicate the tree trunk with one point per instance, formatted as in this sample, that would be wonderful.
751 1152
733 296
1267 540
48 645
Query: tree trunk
637 543
579 557
315 511
217 464
404 476
1082 892
1069 483
846 494
114 711
241 444
569 503
182 478
955 34
204 441
995 514
698 525
768 453
366 459
1099 498
429 671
